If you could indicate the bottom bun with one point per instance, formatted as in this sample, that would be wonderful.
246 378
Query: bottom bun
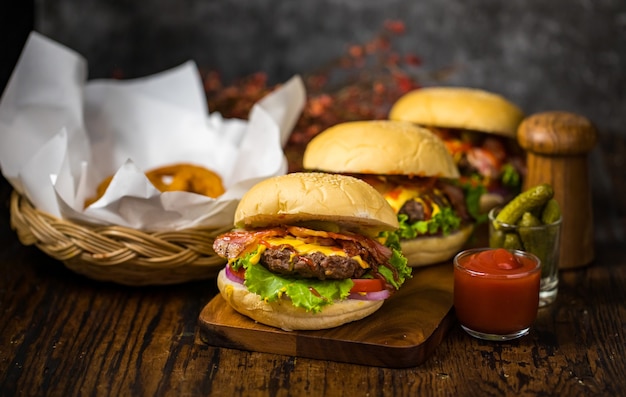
423 251
282 314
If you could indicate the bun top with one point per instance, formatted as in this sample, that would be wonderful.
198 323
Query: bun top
456 107
380 147
316 197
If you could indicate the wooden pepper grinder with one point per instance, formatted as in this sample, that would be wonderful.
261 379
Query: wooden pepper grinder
557 146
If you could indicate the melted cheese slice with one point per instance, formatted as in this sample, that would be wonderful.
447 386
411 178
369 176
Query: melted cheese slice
401 194
303 248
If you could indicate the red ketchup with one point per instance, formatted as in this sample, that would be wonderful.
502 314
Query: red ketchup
496 292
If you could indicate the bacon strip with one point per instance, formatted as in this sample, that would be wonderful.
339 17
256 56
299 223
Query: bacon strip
232 244
380 252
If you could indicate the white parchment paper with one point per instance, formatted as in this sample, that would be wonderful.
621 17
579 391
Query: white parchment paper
61 135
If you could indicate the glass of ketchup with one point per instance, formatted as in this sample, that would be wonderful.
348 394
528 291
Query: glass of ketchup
496 292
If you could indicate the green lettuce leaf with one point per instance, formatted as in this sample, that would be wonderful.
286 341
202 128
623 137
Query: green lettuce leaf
510 177
400 263
445 221
309 294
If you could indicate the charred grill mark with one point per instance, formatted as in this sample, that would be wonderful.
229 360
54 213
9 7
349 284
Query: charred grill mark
284 260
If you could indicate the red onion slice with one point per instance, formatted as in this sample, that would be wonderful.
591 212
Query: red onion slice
232 276
370 296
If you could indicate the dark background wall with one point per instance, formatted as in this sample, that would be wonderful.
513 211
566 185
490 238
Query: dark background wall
543 55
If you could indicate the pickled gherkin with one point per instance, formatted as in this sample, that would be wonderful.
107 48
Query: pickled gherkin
527 201
551 212
530 238
496 238
512 227
512 241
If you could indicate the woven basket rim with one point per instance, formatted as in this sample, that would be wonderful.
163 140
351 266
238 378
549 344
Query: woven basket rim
117 253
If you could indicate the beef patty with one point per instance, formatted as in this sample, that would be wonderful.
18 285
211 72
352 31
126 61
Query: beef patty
285 260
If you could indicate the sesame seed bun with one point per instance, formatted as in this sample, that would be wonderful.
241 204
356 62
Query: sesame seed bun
313 196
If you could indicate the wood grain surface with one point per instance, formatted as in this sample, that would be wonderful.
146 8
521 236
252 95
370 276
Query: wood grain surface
402 333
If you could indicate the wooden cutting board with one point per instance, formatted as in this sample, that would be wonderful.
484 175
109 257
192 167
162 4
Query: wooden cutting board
402 333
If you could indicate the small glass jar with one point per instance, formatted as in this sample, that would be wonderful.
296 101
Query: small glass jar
496 292
541 240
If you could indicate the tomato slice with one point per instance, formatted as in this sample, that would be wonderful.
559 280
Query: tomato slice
367 285
241 273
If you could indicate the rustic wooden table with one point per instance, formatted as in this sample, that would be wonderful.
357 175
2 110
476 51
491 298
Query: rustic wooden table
62 334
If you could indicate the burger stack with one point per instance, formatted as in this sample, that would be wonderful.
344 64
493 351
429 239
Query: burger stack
320 248
412 169
304 254
479 128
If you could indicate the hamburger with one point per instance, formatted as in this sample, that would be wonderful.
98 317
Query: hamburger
304 255
414 172
479 129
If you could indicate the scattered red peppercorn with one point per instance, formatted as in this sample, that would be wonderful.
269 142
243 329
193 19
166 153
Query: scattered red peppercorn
374 77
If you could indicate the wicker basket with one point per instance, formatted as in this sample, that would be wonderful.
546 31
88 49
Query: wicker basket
119 254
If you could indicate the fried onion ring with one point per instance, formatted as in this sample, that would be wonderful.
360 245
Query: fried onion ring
186 177
175 177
